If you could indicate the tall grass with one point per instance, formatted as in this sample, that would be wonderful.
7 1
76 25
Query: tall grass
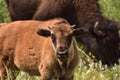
96 71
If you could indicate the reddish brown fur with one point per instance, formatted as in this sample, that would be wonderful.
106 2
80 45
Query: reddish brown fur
3 24
22 46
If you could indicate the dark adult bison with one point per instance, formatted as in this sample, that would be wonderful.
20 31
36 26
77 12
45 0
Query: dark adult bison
46 48
102 40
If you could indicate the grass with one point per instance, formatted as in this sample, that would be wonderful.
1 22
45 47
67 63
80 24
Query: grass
96 71
91 71
4 15
111 9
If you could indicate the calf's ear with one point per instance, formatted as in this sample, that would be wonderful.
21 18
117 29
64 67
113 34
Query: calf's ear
43 32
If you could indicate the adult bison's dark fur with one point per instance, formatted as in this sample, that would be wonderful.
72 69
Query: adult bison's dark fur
83 13
75 11
103 42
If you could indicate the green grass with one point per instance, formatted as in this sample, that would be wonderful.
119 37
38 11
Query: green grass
111 9
92 71
4 15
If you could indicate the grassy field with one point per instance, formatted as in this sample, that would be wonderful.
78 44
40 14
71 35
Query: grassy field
92 71
111 9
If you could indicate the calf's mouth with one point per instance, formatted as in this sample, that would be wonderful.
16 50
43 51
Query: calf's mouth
62 55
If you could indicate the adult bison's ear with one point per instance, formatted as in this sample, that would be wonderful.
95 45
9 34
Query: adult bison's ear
43 32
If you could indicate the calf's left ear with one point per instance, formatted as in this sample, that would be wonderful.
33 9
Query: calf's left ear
43 32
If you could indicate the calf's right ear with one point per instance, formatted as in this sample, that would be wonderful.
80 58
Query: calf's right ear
43 32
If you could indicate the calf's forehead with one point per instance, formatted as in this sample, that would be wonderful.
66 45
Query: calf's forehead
62 28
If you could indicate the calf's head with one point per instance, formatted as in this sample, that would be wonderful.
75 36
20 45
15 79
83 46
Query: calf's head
61 36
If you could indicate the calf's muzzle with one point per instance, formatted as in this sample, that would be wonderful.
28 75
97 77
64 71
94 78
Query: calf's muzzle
62 52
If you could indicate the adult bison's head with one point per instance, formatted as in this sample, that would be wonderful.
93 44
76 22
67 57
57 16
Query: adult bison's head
62 35
102 40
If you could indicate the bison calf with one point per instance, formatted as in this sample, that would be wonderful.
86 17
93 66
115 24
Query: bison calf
35 48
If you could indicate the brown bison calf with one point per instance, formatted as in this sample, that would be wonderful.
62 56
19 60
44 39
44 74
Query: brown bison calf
35 48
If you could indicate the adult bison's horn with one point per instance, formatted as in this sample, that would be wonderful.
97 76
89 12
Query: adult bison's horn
72 26
96 31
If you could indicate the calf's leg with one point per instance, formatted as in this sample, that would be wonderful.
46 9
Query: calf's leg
2 68
66 78
46 72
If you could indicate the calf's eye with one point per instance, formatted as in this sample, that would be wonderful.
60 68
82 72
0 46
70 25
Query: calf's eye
69 39
53 37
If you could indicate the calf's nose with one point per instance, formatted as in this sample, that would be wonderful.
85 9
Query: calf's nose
62 49
62 52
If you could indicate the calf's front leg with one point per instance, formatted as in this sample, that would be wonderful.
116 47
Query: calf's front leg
46 72
2 68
